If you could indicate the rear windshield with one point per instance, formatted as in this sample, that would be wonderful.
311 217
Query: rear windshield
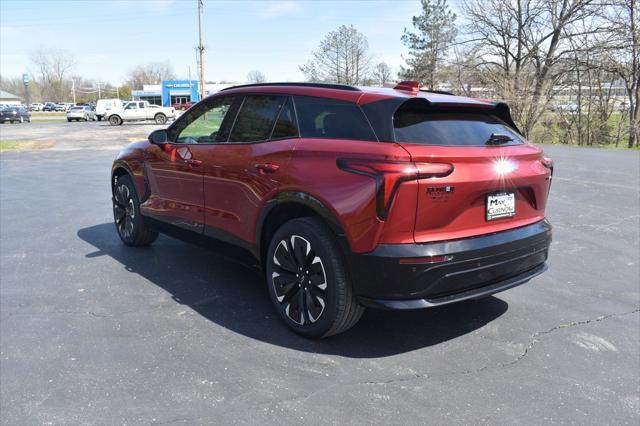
450 128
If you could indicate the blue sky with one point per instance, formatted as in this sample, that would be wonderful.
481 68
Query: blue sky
108 38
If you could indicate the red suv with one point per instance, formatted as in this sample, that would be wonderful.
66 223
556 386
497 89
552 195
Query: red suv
349 197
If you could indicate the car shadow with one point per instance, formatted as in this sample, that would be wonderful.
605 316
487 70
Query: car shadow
228 288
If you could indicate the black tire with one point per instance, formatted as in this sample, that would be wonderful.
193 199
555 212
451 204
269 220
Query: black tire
160 118
299 295
130 224
115 120
69 120
99 117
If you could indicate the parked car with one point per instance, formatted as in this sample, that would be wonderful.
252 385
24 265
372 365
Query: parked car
84 113
61 107
140 111
568 107
49 106
348 197
103 106
14 114
183 106
36 106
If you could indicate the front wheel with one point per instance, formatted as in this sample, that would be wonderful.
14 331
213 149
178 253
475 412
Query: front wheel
307 280
132 229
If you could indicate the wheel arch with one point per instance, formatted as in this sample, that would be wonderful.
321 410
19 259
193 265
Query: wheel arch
289 205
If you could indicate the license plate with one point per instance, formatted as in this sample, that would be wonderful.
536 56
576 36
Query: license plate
501 205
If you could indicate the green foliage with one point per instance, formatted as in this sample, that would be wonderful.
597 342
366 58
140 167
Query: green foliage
434 34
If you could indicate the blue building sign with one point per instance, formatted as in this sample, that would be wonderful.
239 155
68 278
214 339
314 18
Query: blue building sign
171 92
179 91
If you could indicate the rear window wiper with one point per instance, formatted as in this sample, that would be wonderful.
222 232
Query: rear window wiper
498 139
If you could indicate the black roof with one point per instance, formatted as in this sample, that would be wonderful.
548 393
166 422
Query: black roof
321 85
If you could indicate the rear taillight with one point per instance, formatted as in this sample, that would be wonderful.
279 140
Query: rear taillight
388 175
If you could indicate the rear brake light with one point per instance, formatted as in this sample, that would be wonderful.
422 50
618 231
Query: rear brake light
388 175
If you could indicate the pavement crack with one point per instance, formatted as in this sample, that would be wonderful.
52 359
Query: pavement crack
417 376
535 337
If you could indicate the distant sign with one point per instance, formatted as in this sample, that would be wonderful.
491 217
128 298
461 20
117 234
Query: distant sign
25 78
176 85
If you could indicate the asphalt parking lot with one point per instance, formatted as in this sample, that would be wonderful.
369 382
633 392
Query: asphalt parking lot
94 332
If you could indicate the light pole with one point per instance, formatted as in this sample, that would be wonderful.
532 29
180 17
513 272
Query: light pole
200 49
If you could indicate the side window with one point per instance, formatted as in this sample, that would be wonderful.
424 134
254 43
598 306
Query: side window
132 105
141 104
332 119
286 125
208 123
256 118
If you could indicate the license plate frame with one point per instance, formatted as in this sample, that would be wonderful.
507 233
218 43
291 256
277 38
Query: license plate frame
500 205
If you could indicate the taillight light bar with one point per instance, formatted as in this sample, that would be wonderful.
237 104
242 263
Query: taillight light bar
388 175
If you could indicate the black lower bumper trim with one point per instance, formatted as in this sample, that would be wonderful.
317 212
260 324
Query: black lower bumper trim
458 297
473 266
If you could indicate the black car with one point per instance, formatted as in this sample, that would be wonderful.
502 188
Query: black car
14 114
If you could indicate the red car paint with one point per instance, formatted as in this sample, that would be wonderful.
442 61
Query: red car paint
225 187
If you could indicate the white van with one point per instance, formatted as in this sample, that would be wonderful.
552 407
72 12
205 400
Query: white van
104 105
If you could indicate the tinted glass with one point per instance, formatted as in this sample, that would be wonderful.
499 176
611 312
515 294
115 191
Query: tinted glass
462 129
286 125
332 119
256 118
205 123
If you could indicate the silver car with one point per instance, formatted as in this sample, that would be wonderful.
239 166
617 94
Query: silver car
78 113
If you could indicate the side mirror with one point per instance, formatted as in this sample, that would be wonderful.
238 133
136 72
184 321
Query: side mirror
158 137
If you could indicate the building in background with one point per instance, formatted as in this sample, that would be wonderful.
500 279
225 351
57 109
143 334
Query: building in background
7 98
171 92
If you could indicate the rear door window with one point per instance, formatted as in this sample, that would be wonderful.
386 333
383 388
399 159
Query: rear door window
332 119
286 125
450 128
256 118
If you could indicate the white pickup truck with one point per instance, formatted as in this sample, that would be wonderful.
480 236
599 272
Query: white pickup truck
140 111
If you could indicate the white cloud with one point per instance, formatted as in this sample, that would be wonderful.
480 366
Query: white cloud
280 8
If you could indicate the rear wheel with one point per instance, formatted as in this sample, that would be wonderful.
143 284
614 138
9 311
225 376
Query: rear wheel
307 280
160 118
69 120
114 120
132 229
99 117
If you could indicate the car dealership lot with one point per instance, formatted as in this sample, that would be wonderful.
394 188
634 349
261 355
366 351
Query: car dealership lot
95 332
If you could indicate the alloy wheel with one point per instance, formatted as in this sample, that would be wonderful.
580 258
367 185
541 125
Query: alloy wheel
124 209
299 280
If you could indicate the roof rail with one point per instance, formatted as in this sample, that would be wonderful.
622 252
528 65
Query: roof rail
321 85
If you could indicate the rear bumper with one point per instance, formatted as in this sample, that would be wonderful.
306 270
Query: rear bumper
474 267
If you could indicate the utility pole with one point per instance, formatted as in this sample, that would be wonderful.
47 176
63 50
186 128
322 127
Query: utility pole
99 91
73 89
200 49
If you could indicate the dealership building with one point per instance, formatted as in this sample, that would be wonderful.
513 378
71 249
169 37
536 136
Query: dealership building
171 92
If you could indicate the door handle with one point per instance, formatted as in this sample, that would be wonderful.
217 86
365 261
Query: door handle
267 168
193 163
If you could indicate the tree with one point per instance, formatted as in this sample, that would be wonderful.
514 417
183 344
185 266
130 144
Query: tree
519 45
53 66
623 58
151 73
341 58
434 35
256 76
381 74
